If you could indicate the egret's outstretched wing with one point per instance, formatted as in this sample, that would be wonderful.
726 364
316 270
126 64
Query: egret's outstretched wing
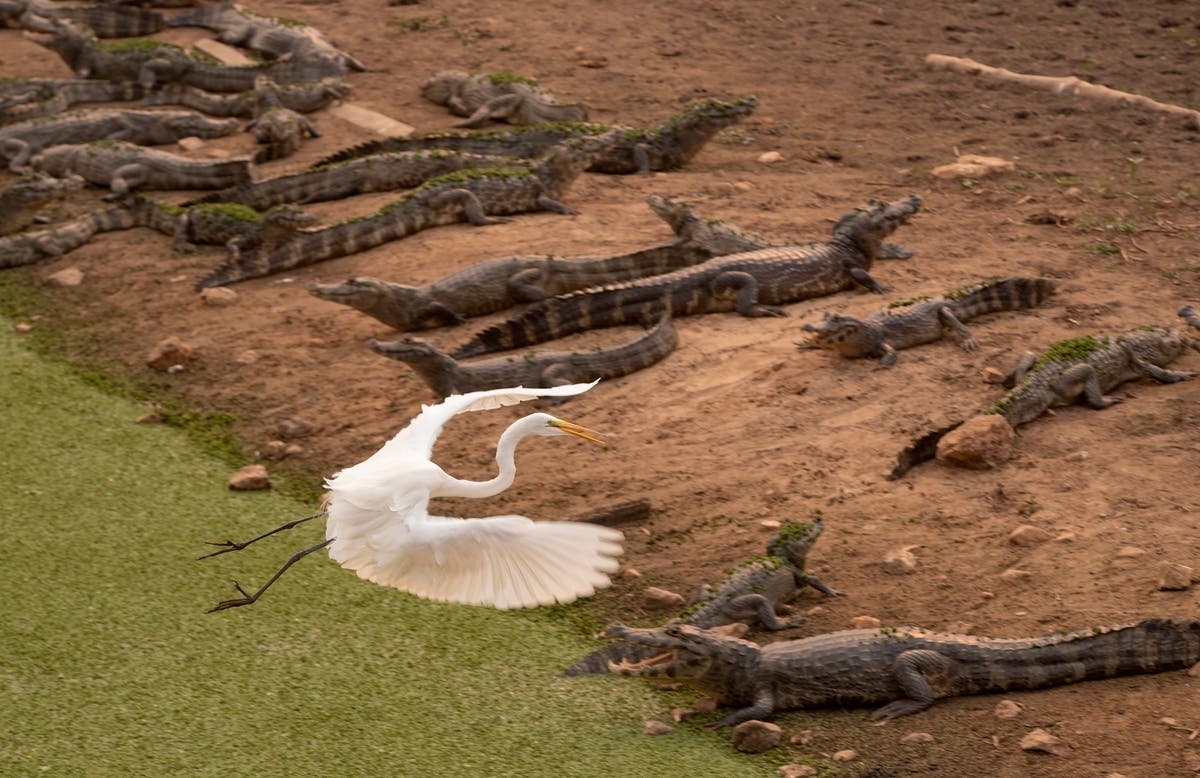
422 432
503 561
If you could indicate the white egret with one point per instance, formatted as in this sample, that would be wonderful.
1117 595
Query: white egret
378 522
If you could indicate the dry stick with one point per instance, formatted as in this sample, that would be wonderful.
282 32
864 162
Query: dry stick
1059 85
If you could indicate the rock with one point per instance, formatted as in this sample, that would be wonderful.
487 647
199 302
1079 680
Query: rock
735 630
372 120
980 443
973 166
149 418
1174 577
801 738
992 376
660 599
653 727
743 186
191 143
293 450
1014 574
900 561
865 622
250 478
1041 740
1194 672
23 327
1029 535
1077 456
226 55
294 428
632 572
168 353
770 524
70 276
682 714
1130 552
273 449
756 737
845 755
770 157
815 610
218 295
1007 709
796 770
247 357
917 737
1065 537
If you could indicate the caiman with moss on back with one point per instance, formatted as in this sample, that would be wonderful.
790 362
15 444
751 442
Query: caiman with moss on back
233 226
914 322
480 196
667 146
905 667
105 21
305 97
1086 367
751 593
753 283
495 284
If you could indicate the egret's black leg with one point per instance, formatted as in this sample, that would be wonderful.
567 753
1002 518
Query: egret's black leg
229 545
250 599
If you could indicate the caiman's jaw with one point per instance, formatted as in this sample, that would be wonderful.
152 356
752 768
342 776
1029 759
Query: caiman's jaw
350 289
405 347
829 332
676 663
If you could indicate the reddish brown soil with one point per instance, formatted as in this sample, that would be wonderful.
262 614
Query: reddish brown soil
737 427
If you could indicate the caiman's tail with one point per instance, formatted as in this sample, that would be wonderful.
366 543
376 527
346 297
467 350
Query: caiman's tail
1008 295
1190 315
1150 646
920 450
366 149
119 21
568 314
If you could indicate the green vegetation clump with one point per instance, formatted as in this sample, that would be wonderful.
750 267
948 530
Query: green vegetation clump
963 291
909 301
794 530
140 46
1071 350
242 213
506 77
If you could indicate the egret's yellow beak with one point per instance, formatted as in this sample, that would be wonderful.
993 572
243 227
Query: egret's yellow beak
576 430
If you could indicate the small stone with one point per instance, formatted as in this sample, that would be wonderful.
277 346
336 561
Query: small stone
149 418
796 770
973 166
706 705
1041 740
1014 574
917 737
273 449
191 143
743 186
900 561
801 738
23 327
865 622
1077 456
168 353
987 595
1115 775
1194 671
659 599
293 450
653 727
247 357
70 276
631 572
1173 576
815 610
980 443
992 376
756 737
294 428
679 715
1074 193
250 478
1130 552
735 630
845 755
1064 537
1029 535
770 524
218 295
226 55
769 157
1007 709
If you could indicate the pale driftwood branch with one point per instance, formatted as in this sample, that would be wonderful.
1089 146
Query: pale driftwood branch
1059 85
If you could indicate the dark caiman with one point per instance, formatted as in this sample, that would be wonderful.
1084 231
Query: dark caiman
753 283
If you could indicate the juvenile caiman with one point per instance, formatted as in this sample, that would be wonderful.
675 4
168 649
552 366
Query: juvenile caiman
497 96
913 322
1086 367
906 667
753 283
750 594
481 197
495 284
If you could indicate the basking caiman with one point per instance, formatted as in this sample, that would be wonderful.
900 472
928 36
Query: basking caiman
913 322
752 283
22 99
305 97
1085 367
20 200
111 21
28 248
667 146
278 128
751 593
126 166
495 284
499 97
478 196
447 376
235 227
906 667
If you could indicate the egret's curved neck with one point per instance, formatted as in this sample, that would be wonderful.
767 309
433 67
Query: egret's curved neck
505 460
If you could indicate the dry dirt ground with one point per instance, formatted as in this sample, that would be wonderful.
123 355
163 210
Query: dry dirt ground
737 427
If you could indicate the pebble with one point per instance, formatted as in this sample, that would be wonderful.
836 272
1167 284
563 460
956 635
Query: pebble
1041 740
23 327
293 427
900 561
191 143
1029 535
917 737
1130 552
273 449
801 738
631 572
1194 672
743 186
168 353
250 478
1064 537
845 755
1013 574
655 597
218 295
1078 456
769 157
980 443
653 727
247 357
815 610
735 630
756 737
796 770
770 524
71 276
865 622
1173 576
149 418
1007 709
992 376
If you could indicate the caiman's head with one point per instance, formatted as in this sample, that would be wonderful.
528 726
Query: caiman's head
289 217
184 124
439 87
66 40
690 653
716 114
37 188
402 307
833 330
868 226
408 350
675 212
795 540
1157 345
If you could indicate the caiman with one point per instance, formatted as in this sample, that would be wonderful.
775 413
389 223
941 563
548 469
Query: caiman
278 128
28 248
495 284
447 376
1086 367
498 97
750 594
913 322
480 197
235 227
905 667
19 142
22 99
753 283
105 21
20 200
667 146
124 167
305 97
